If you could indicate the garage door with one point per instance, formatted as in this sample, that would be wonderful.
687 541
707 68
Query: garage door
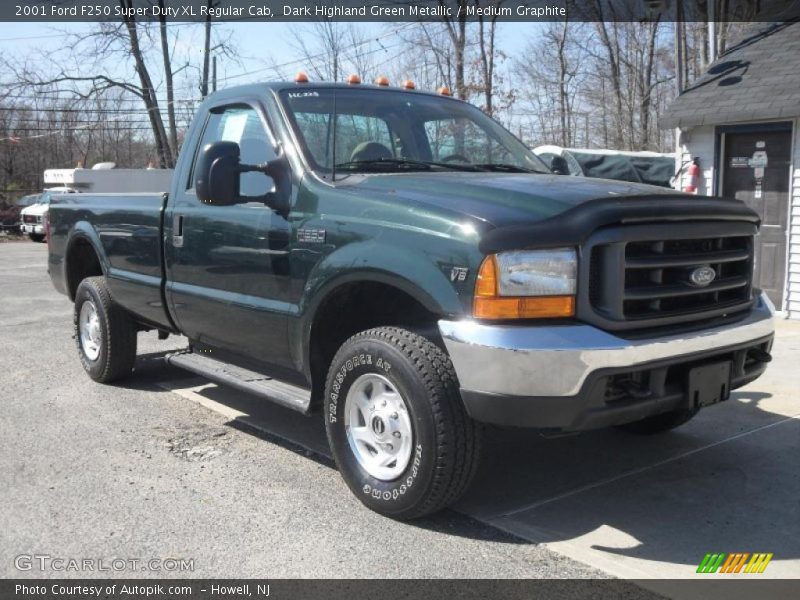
756 170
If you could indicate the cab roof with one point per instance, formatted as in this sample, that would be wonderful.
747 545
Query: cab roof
257 89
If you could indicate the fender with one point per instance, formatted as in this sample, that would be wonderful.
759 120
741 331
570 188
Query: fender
407 269
83 230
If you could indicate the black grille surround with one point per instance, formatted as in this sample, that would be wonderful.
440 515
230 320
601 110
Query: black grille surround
31 219
636 277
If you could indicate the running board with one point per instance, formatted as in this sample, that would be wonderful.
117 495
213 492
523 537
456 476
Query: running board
282 393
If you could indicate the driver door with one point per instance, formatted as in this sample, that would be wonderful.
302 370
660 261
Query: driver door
228 266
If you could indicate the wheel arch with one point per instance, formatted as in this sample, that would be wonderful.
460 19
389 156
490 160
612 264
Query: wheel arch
354 302
83 257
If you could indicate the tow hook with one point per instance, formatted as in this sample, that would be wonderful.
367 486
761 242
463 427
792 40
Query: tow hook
634 390
759 355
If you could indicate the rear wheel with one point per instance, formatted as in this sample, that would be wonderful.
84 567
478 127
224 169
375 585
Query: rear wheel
396 423
660 423
104 332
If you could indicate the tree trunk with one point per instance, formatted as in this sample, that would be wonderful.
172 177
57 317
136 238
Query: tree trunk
148 91
173 127
563 98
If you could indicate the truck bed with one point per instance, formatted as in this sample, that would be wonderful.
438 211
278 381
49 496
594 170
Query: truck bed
125 230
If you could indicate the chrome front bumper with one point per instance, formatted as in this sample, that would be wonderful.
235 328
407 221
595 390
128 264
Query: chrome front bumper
555 361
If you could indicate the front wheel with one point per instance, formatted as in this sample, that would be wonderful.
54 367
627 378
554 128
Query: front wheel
104 332
37 237
396 423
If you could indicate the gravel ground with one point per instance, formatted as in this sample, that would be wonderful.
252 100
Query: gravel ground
135 471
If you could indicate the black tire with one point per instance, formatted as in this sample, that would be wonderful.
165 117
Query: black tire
37 237
117 333
446 442
660 423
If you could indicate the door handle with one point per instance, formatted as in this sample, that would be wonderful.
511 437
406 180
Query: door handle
177 231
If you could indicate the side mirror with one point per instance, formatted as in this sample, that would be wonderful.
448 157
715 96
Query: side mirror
217 180
217 174
559 166
280 199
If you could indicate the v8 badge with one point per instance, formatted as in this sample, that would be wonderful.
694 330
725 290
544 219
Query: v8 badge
458 273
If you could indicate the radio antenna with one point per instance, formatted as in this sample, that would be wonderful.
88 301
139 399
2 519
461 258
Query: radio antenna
333 144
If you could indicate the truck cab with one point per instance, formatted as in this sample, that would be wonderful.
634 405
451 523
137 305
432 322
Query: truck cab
398 264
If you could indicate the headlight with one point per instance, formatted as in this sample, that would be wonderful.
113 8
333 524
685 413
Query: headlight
527 284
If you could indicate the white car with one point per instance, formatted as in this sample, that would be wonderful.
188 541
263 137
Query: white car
32 217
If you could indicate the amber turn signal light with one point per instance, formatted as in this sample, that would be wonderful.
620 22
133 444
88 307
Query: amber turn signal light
537 307
487 304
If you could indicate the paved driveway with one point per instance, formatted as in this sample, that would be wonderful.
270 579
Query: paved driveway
600 503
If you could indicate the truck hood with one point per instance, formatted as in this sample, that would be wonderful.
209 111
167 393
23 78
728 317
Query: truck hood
499 199
35 209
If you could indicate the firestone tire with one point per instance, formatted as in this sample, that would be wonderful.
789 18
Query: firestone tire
416 376
659 423
104 333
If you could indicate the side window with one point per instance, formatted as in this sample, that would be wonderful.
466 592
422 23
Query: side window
240 124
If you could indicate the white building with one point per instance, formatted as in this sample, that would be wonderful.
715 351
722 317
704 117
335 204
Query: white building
741 119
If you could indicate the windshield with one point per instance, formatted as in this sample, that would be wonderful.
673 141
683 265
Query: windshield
28 200
393 130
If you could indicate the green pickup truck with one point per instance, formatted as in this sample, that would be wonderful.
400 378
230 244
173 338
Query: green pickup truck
399 263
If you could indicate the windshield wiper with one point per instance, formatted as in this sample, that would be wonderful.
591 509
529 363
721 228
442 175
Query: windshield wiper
382 162
505 167
402 162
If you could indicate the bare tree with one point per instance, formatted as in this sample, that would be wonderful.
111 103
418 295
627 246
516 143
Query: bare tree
552 79
168 79
325 55
488 56
456 28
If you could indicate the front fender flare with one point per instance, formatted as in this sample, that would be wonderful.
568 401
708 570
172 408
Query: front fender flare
407 269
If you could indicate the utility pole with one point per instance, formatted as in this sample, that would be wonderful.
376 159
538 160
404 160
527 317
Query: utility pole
214 74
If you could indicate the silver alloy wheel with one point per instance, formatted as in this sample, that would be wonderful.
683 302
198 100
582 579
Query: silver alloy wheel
378 427
89 328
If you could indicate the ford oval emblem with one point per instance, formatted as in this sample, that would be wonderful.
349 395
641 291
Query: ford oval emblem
702 276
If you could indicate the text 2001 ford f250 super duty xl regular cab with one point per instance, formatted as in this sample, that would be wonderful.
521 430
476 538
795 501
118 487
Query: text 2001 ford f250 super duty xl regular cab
398 261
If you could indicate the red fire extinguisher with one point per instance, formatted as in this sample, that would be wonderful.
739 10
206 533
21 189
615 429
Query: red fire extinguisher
693 175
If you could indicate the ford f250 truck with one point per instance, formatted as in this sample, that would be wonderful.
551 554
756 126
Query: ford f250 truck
397 262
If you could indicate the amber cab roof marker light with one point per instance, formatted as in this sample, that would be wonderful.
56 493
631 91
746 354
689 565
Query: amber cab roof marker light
409 85
382 81
353 79
444 91
301 77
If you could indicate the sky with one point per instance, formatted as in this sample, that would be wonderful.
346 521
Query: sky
259 45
